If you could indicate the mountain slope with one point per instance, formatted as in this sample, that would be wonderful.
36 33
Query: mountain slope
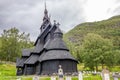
109 28
0 42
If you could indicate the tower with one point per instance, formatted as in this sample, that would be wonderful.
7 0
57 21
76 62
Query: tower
46 19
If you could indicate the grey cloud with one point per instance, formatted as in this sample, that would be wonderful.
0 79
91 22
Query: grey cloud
117 1
68 12
27 15
116 11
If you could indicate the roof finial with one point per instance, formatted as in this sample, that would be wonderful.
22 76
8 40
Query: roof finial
54 22
58 24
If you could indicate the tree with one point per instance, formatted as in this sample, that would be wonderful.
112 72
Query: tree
97 50
117 57
12 43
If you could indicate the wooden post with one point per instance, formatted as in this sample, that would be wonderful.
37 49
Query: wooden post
25 69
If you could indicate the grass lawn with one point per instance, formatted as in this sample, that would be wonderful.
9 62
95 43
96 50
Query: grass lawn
112 69
7 69
8 72
88 77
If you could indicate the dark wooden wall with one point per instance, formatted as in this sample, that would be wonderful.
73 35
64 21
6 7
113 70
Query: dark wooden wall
29 69
52 66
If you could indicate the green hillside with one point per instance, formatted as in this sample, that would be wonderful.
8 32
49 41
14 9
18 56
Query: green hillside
109 28
0 42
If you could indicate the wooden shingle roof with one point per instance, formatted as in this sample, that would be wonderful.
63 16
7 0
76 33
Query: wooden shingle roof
32 59
20 62
56 43
38 47
26 52
56 54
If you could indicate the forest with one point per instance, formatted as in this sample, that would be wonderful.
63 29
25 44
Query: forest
12 41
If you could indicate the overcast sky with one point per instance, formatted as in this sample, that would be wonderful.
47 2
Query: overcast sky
27 15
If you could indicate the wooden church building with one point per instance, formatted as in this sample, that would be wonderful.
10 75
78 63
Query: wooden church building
49 52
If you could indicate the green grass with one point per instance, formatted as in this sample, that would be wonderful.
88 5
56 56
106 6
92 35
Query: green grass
14 78
7 69
91 77
8 72
112 69
86 77
115 69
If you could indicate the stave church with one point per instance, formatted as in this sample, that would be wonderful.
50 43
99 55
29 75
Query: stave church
48 53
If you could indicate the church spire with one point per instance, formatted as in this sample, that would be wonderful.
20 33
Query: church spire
46 19
45 13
